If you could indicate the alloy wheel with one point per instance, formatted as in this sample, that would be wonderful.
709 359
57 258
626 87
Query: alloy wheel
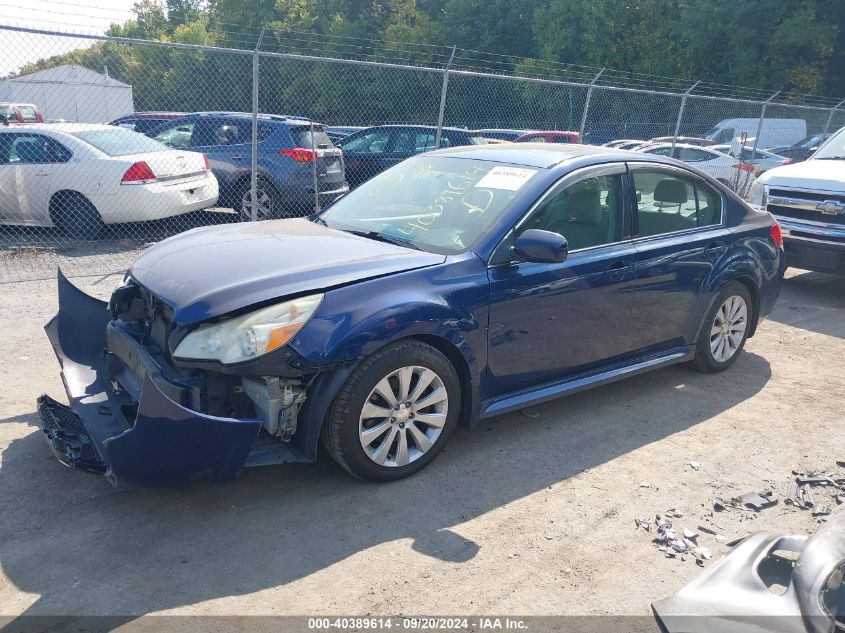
728 329
403 416
264 209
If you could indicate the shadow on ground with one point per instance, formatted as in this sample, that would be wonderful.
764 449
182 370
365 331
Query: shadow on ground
812 301
71 539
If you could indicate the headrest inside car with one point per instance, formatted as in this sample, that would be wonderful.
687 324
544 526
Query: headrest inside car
670 190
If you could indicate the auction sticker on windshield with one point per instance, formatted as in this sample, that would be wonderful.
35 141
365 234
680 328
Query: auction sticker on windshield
510 178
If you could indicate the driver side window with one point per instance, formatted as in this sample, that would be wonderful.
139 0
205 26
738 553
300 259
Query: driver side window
587 213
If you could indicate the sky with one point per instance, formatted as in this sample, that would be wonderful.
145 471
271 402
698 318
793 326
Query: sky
69 16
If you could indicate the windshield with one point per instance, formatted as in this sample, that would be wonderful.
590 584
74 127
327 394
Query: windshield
117 141
834 147
436 203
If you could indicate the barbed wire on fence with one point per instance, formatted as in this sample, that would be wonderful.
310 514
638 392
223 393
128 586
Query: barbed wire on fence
254 106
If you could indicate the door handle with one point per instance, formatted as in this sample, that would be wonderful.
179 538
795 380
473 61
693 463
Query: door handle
238 157
42 173
616 271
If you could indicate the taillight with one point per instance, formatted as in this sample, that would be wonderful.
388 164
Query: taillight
744 167
138 174
787 161
207 164
299 154
776 234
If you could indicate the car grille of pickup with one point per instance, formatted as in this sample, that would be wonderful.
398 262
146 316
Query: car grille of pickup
800 205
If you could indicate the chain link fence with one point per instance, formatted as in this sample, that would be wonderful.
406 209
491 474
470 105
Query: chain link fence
210 135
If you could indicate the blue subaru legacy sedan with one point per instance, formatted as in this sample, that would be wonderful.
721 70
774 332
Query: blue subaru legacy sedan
455 286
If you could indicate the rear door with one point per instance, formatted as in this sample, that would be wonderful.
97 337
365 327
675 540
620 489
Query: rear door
25 174
227 143
680 235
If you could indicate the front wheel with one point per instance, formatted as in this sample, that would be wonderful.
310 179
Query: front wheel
725 329
395 413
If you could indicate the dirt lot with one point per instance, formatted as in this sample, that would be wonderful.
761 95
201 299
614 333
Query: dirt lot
520 516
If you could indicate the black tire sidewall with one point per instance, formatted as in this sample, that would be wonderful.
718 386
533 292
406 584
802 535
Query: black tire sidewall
79 218
341 428
703 356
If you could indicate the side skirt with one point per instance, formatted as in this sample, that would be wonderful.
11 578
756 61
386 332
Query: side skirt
574 384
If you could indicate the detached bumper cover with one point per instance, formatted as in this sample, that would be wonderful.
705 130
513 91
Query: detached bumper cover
735 594
144 438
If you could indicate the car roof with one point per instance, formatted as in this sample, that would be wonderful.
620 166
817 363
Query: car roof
541 132
281 118
419 127
68 128
544 155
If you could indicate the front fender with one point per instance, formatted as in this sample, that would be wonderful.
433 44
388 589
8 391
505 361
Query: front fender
446 305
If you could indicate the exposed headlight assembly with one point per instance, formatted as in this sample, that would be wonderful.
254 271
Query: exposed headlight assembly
248 336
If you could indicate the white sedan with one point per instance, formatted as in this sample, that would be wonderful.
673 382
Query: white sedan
726 169
81 177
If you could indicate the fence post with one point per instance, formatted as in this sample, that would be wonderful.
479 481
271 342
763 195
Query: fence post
830 118
253 174
443 100
680 116
314 170
760 125
587 106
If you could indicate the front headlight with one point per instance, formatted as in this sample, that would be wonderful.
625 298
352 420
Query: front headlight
757 194
248 336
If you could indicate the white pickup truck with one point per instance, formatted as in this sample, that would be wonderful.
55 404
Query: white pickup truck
808 199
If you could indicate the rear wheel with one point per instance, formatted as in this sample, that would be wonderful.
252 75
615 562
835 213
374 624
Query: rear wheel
76 215
267 206
395 413
725 329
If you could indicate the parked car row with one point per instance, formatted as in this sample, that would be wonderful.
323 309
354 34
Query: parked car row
81 177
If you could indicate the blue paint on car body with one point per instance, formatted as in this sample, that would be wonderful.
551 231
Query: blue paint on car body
517 332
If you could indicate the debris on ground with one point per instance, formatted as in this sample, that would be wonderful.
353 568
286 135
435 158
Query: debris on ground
755 501
760 500
670 542
695 465
799 493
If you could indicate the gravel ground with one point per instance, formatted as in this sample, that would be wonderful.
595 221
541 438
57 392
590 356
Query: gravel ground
523 515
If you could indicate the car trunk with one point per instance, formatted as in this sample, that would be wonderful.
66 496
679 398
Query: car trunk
172 167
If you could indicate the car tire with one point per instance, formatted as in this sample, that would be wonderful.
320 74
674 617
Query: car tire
74 214
269 202
400 443
725 330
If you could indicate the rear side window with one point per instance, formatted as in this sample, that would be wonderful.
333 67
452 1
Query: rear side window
302 138
28 114
216 133
667 203
118 141
690 155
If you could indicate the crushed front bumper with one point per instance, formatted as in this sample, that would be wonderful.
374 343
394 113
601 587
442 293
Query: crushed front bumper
130 430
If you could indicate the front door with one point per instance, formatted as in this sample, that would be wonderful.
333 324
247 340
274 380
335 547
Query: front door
551 320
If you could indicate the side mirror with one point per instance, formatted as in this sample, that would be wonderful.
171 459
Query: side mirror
536 245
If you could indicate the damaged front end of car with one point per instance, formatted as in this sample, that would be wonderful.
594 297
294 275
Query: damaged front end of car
769 582
138 415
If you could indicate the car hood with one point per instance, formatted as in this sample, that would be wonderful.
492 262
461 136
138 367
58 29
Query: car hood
208 272
812 175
